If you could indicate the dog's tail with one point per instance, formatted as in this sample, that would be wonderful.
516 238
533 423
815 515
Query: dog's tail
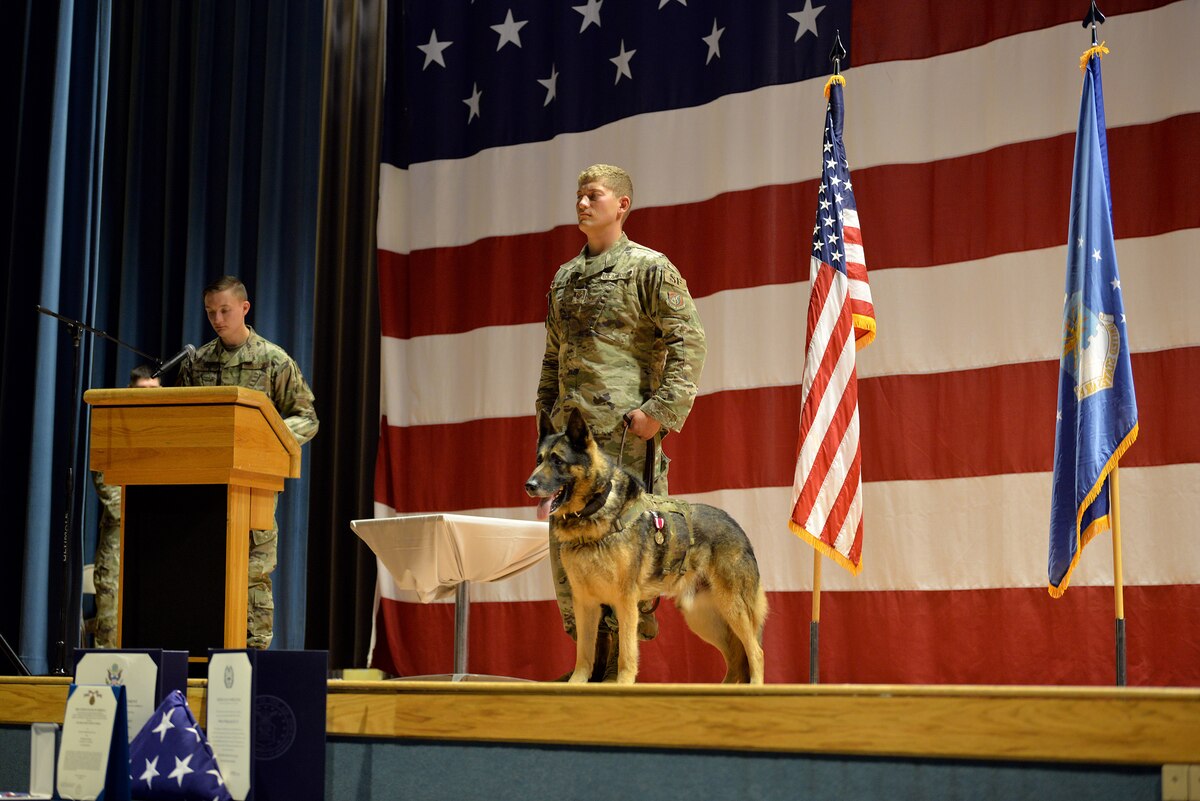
757 604
755 601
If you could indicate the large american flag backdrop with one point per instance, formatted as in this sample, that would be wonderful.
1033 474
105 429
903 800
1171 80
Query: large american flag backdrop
960 119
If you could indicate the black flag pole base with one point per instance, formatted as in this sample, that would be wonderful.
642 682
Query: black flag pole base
1120 652
814 652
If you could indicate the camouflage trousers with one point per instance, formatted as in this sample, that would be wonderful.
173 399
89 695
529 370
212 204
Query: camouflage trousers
105 574
634 460
260 604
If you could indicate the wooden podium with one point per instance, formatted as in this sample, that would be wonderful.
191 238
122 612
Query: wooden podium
199 468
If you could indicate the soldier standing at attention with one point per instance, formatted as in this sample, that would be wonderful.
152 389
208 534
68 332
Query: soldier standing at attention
240 357
623 341
106 572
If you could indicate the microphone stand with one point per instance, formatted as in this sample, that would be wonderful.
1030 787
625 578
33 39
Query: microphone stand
71 589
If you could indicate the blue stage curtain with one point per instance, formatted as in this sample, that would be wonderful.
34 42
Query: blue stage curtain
60 277
183 144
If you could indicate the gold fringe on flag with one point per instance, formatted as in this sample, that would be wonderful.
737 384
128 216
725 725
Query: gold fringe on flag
835 79
1100 524
825 548
867 326
1099 51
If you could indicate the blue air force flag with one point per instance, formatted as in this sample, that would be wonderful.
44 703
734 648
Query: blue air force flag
1097 410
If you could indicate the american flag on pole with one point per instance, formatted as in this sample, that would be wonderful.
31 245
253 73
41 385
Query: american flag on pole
827 493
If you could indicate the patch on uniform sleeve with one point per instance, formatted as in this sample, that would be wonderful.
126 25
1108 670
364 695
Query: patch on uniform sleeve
673 299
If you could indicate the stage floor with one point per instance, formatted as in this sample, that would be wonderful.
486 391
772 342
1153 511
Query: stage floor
1131 726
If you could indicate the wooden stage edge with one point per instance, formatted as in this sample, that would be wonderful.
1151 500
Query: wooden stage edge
1042 724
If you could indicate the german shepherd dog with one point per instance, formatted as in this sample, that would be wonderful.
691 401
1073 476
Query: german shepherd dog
614 552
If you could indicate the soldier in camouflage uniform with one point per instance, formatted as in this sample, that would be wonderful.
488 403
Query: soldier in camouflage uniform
106 570
240 357
623 341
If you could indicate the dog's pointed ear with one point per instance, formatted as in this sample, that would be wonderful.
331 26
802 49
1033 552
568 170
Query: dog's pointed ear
577 429
545 426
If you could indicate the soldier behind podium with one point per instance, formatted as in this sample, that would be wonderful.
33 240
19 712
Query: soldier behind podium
106 570
240 357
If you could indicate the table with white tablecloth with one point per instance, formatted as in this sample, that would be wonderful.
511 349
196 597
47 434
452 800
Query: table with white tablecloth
437 556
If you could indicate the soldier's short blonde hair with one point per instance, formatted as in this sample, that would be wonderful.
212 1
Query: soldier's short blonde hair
614 178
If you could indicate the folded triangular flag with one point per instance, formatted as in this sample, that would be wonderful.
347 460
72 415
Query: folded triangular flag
171 759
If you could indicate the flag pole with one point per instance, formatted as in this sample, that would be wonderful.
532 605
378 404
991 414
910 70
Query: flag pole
1093 18
836 54
1118 584
814 626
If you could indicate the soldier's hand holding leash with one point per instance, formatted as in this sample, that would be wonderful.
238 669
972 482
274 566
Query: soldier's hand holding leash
642 425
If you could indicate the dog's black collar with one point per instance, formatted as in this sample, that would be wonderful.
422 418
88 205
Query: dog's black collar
596 502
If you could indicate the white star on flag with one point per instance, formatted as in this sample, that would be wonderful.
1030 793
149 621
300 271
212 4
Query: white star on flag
622 61
181 769
551 84
473 102
164 724
509 30
217 774
150 772
433 50
806 19
1096 254
194 731
713 40
590 12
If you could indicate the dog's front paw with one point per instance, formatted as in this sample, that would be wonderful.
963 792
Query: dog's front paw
579 677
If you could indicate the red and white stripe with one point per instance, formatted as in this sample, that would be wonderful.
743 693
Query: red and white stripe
962 132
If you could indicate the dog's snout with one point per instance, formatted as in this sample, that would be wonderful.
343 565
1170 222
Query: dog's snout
531 486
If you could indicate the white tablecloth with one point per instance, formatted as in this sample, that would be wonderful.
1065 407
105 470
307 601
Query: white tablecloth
431 554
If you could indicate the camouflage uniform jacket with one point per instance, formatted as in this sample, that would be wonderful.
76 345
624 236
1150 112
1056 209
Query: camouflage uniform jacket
256 364
621 334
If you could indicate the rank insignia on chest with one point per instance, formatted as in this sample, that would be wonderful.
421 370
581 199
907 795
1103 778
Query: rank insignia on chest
674 299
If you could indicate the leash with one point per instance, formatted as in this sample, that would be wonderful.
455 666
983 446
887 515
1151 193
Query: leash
624 431
648 477
651 455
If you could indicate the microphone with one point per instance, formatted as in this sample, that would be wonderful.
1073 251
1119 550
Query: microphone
188 352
